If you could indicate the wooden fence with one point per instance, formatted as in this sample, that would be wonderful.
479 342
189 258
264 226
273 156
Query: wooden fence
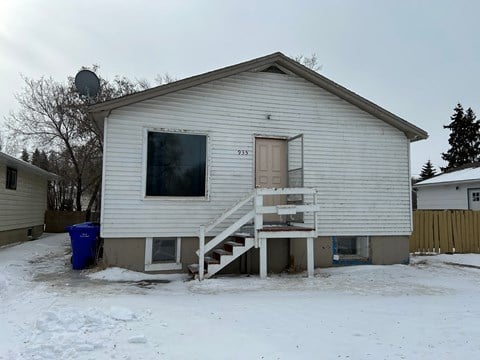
445 231
57 221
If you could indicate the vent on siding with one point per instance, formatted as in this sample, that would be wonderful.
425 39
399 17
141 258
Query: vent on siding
273 69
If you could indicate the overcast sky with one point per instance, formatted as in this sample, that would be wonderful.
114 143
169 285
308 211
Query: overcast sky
416 58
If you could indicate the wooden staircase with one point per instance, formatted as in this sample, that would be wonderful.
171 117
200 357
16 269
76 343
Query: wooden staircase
237 244
250 231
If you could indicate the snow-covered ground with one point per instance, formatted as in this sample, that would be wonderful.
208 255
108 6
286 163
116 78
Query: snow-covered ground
427 310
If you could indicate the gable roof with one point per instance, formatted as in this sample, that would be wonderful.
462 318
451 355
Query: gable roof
17 163
463 175
413 133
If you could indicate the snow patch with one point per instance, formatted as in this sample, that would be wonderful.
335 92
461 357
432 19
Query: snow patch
119 274
426 310
120 313
61 333
3 285
139 339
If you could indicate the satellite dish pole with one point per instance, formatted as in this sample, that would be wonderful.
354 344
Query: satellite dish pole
87 84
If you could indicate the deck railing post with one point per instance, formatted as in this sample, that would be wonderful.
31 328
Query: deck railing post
310 257
258 220
263 258
201 253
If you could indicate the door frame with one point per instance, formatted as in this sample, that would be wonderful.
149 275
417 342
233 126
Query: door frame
254 162
468 196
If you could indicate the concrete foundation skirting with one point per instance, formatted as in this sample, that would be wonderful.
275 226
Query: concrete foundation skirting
18 235
282 254
389 250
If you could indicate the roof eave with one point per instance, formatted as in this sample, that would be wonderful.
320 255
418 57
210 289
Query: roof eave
17 163
452 182
412 132
184 83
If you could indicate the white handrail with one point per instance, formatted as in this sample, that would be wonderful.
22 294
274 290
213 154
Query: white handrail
201 254
285 191
227 214
256 213
229 231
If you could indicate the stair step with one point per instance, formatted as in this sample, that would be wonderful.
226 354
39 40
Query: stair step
242 234
217 253
240 238
193 268
211 260
233 243
229 245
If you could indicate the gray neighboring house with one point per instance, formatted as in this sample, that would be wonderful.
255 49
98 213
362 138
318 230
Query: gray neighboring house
23 199
457 189
190 169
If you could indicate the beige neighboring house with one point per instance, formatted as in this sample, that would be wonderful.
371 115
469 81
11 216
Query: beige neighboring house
256 167
23 199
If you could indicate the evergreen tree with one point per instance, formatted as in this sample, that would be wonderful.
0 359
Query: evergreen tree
464 138
25 156
40 159
36 158
428 171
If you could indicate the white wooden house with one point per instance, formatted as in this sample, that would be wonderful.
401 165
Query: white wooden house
306 166
23 199
454 190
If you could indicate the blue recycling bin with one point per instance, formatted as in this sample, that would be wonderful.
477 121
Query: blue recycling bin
83 238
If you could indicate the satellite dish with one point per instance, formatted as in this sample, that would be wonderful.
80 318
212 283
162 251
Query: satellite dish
87 83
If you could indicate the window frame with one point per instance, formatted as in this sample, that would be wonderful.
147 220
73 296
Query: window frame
164 265
338 259
8 185
144 195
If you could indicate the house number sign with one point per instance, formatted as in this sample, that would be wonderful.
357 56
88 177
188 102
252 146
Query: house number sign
242 152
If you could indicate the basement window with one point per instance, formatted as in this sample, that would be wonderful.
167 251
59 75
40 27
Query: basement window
162 254
11 179
164 250
351 249
176 165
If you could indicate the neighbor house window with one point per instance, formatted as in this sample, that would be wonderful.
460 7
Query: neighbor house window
348 248
475 196
162 254
11 180
176 164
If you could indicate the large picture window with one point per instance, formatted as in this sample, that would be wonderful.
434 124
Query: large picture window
176 164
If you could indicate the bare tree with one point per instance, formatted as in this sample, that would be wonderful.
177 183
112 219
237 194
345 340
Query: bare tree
8 145
54 116
310 62
164 79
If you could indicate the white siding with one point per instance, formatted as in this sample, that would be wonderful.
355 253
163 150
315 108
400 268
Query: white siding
358 163
25 206
439 197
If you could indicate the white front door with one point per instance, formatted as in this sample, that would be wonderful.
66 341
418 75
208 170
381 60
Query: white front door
474 199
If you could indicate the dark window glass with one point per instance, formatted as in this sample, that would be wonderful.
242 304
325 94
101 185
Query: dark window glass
176 164
346 245
164 250
11 180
